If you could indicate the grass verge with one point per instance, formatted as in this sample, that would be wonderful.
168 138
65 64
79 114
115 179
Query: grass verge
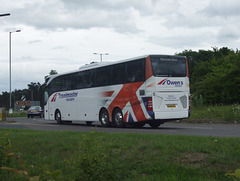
16 114
113 156
215 114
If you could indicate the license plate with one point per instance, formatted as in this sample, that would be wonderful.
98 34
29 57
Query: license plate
171 105
33 111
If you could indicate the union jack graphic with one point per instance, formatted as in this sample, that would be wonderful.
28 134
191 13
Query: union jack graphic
128 100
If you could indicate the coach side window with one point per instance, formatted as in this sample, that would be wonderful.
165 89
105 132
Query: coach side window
80 80
117 74
88 78
68 82
103 76
135 71
85 79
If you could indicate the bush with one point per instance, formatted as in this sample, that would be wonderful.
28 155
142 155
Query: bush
236 112
197 101
5 148
96 161
11 163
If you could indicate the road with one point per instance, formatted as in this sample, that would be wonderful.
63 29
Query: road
170 128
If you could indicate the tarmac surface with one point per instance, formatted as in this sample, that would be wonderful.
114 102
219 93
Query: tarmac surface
169 128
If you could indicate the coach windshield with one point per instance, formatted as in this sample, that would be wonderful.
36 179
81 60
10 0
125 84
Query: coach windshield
169 66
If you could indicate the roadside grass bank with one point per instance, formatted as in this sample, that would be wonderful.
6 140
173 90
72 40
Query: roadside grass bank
16 114
41 155
215 114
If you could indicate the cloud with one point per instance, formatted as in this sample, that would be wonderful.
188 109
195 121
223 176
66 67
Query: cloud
223 8
182 38
228 33
35 41
119 6
81 14
59 48
61 15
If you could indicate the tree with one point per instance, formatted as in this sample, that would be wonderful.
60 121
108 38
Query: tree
35 91
53 72
215 75
4 99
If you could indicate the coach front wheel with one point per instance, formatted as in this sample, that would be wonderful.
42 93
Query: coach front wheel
118 119
58 117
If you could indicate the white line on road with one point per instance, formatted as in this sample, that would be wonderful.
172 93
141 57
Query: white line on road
32 124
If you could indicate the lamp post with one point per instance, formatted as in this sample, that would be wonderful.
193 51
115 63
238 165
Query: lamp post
8 14
10 54
101 55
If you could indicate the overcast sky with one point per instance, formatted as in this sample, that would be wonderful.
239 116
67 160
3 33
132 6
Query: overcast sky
62 35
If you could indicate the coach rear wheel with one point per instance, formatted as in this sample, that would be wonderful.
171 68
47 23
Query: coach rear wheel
104 118
154 124
118 119
58 117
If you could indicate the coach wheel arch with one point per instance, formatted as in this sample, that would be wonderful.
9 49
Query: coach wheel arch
104 117
58 116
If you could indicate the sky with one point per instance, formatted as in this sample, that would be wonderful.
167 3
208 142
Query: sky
63 35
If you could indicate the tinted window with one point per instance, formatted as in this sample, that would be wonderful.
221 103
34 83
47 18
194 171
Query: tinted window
85 79
80 80
68 82
55 85
168 66
103 76
117 74
62 83
135 71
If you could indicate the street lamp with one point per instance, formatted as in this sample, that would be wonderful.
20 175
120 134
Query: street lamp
10 53
8 14
101 54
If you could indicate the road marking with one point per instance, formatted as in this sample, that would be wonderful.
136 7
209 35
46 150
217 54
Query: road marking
32 124
208 128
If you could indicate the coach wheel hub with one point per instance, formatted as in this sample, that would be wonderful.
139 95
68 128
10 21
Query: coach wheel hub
104 118
118 118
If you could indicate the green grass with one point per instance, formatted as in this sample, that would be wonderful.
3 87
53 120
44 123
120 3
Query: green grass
114 156
17 114
216 114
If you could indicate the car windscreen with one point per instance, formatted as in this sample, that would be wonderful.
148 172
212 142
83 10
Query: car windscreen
169 66
34 108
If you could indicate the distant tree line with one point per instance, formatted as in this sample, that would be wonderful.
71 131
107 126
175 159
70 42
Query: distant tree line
34 92
214 75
